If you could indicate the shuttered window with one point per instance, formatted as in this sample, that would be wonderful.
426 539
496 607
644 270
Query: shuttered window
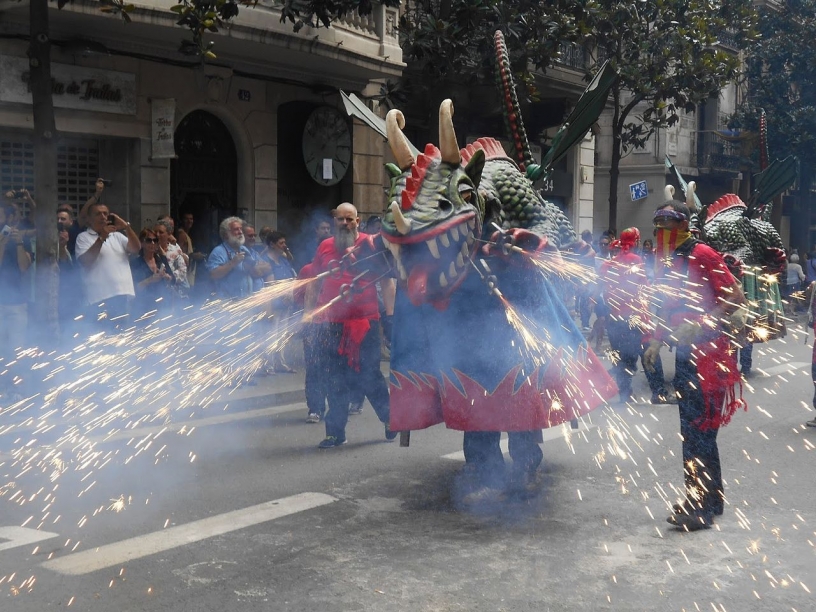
77 168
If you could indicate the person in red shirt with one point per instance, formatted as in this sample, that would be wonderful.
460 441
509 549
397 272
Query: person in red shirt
623 280
349 330
702 308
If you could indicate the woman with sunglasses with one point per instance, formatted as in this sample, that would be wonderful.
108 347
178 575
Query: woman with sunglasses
151 277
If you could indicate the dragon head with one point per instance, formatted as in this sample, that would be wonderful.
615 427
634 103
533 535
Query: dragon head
436 212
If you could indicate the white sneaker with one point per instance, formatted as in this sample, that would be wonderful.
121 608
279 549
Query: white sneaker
313 418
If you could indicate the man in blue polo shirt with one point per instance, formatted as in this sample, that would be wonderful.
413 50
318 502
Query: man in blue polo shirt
235 270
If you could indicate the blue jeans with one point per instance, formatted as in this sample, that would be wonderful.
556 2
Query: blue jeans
315 383
746 354
344 382
701 456
628 343
482 451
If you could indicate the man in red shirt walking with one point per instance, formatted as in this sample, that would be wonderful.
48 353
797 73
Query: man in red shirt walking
623 283
349 333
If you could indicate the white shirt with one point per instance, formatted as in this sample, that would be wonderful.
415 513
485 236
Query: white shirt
109 275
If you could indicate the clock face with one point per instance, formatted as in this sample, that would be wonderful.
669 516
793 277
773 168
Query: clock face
326 146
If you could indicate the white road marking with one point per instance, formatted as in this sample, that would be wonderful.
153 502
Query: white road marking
118 553
786 368
20 536
553 433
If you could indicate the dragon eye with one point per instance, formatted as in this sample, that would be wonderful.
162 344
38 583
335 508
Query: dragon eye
465 191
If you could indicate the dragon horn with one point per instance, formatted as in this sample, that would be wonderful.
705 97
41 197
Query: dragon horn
447 135
403 224
668 192
400 147
690 189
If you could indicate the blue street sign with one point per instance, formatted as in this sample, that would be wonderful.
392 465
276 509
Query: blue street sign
639 191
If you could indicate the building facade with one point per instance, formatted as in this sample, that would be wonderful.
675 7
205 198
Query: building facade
259 131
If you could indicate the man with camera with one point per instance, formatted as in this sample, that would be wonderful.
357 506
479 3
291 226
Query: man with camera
15 260
235 270
103 251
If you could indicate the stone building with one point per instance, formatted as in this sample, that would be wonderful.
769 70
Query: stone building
259 131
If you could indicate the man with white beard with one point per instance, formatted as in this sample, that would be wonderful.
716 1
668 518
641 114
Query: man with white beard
349 334
235 270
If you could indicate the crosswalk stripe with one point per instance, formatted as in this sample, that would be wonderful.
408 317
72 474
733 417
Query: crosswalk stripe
118 553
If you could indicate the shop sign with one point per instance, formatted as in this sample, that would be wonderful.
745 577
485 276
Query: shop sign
163 113
74 87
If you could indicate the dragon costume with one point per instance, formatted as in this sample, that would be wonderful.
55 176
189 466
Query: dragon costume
742 233
481 340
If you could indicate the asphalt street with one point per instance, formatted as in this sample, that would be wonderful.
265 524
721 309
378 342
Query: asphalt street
234 508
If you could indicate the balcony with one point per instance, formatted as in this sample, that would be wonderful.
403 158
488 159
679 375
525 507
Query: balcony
356 48
717 155
572 56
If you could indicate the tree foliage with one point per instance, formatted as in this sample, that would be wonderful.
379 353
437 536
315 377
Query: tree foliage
780 78
452 40
671 55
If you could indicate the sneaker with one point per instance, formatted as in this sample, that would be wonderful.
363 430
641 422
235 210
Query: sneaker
331 442
313 418
483 495
811 423
355 409
390 436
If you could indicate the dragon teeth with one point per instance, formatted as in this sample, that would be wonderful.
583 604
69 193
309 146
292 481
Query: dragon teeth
433 247
454 232
472 224
444 240
464 249
460 261
452 270
443 282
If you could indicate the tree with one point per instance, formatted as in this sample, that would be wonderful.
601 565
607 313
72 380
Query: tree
780 77
669 60
449 50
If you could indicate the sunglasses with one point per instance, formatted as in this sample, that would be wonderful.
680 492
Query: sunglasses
668 215
151 240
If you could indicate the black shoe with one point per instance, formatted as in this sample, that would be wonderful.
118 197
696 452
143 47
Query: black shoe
692 522
522 484
747 373
390 436
688 508
664 398
331 442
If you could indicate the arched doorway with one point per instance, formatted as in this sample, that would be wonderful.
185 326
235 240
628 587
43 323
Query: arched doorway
203 177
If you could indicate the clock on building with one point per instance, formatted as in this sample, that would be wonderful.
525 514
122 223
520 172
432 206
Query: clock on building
326 145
